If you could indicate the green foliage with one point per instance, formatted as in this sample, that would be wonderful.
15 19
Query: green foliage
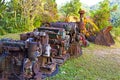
116 33
2 7
50 13
101 16
25 15
11 20
38 11
37 21
71 8
2 31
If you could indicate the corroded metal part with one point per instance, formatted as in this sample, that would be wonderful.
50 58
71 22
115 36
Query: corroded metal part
104 37
20 60
61 59
75 49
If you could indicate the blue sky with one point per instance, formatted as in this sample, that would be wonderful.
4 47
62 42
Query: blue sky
88 2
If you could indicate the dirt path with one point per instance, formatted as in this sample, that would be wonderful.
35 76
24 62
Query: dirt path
108 51
111 54
105 53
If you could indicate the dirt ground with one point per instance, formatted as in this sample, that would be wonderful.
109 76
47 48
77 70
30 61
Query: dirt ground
112 53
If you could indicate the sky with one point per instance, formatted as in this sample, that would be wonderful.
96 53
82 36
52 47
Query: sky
88 2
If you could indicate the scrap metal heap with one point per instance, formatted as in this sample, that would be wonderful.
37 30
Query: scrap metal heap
104 37
37 54
72 30
59 42
63 44
23 60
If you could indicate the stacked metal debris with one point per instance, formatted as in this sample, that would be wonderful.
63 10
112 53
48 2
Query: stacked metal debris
37 54
23 60
104 37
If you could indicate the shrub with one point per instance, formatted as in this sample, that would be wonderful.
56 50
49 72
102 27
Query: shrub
2 31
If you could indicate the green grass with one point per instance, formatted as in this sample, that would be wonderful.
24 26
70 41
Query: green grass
116 31
116 35
89 66
15 36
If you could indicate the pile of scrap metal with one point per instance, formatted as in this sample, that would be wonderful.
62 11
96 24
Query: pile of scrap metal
63 44
25 60
72 31
86 29
37 54
58 43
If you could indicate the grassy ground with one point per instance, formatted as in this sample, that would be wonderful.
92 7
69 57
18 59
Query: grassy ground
92 65
13 36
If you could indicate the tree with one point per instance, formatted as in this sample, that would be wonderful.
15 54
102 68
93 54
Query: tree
11 20
2 9
36 12
101 16
26 15
116 14
50 11
71 8
31 10
2 6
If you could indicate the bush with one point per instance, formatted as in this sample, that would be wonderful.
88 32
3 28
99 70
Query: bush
2 31
116 31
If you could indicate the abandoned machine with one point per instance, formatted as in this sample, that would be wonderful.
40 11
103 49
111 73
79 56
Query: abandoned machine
29 59
37 54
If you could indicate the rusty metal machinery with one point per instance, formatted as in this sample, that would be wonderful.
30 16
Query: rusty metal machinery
37 54
72 29
58 41
11 58
23 60
104 37
93 34
64 41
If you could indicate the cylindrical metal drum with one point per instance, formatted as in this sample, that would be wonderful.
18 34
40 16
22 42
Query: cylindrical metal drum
32 48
